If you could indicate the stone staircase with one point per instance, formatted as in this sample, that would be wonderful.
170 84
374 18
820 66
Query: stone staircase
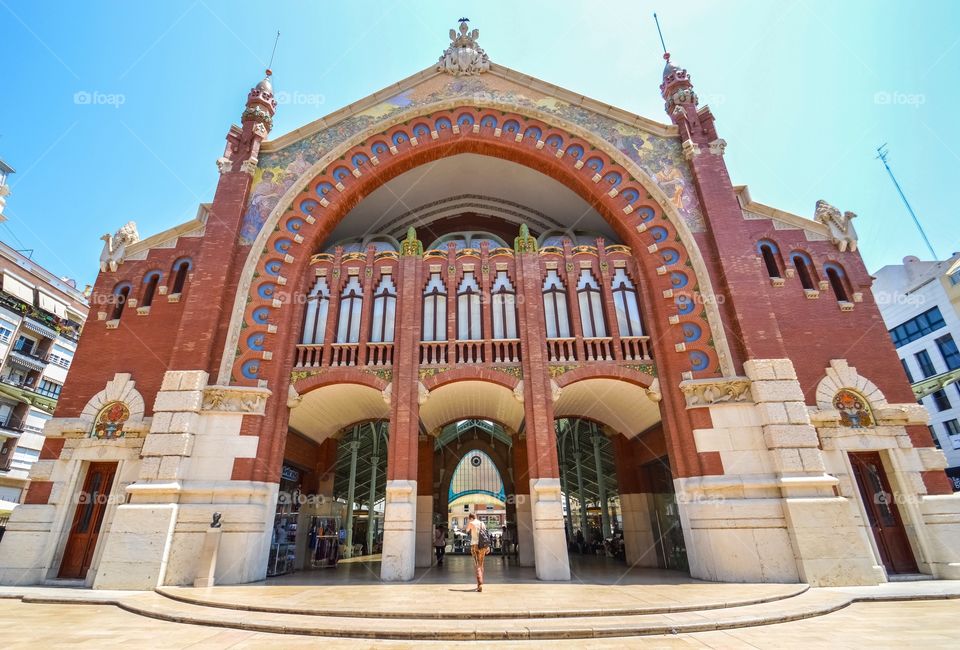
488 626
397 613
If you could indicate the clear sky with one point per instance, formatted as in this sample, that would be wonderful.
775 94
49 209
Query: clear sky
116 110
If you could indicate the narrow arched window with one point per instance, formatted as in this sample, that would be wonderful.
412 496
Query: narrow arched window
384 311
591 305
625 301
315 318
804 270
120 296
150 280
768 251
180 269
555 306
435 309
351 307
504 304
468 309
835 276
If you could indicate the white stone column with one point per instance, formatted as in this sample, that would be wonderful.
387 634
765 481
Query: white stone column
578 459
399 531
601 486
549 541
424 553
353 445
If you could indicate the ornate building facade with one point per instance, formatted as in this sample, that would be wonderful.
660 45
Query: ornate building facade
473 244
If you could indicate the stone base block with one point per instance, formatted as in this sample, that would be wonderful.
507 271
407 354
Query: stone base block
524 531
25 551
638 538
549 538
831 548
137 547
399 531
208 558
941 518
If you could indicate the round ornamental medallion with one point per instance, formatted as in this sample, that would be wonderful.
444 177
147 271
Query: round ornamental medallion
854 410
110 421
475 461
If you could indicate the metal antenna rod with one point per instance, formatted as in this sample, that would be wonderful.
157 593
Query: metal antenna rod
662 44
275 41
882 155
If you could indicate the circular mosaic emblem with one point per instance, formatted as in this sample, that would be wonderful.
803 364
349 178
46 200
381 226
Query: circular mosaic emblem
854 411
110 420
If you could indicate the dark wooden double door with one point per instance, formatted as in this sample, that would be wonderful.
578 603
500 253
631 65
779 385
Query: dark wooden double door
882 512
91 506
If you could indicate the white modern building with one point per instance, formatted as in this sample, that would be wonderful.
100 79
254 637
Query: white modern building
920 305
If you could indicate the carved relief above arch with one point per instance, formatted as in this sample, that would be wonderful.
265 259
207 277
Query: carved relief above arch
841 375
620 191
116 411
847 398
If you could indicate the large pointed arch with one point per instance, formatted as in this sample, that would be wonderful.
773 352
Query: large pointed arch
621 192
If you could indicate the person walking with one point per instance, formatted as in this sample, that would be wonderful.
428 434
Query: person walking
440 544
479 546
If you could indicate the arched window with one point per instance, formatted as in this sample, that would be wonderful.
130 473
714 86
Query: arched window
504 307
555 306
151 280
180 268
384 311
804 268
435 309
351 306
120 296
591 305
468 309
835 276
315 318
625 301
768 250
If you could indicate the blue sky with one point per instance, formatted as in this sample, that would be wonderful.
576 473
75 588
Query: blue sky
803 92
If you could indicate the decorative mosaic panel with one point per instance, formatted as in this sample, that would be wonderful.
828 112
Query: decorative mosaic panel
660 157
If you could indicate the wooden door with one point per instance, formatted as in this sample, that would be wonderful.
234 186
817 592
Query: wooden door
882 512
91 506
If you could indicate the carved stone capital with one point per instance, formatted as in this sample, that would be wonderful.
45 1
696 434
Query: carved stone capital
718 146
293 397
707 392
653 392
249 166
224 165
690 149
235 399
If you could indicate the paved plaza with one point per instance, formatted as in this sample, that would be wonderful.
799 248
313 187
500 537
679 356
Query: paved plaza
604 605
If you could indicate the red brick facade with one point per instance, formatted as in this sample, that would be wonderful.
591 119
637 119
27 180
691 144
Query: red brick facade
760 320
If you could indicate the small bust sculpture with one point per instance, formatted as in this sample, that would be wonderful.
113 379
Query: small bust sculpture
216 520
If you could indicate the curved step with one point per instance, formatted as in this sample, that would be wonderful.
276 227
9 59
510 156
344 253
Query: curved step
805 605
451 608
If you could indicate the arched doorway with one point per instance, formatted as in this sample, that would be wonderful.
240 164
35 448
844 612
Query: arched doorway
474 473
361 289
618 494
331 501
